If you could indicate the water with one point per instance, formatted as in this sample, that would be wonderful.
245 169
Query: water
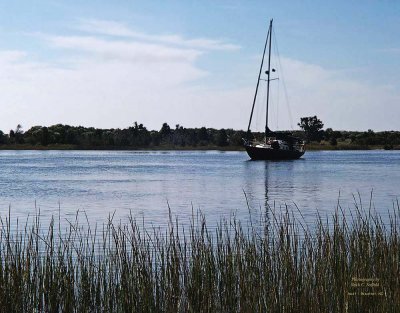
148 184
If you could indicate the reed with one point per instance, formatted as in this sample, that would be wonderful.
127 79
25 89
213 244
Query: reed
277 264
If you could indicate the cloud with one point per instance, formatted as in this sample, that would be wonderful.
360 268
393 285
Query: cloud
11 56
106 83
111 28
340 101
92 92
123 50
389 50
112 82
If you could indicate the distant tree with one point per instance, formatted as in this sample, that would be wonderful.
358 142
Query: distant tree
333 141
236 139
191 137
312 126
45 136
71 136
165 130
11 135
155 138
332 136
138 136
328 133
222 138
203 136
19 134
3 138
165 133
178 137
120 138
18 129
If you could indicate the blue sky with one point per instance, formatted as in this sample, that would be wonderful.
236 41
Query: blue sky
110 63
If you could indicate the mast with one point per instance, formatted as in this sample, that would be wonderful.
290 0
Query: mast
259 74
268 79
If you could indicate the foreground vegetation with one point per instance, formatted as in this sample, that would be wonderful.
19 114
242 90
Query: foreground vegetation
279 264
139 137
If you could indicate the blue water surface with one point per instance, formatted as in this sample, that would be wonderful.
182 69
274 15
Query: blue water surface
150 183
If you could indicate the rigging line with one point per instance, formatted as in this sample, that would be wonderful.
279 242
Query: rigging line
255 123
283 81
260 110
277 109
274 99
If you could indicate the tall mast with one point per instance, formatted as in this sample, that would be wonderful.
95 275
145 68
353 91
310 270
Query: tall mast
259 75
268 79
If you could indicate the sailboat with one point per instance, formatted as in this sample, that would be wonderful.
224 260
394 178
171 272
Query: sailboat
275 146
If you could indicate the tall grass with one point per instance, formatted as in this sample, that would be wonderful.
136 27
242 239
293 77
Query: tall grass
279 264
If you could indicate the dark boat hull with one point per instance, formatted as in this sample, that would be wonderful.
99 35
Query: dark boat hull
258 153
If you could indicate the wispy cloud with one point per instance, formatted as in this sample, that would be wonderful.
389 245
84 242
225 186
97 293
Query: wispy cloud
390 50
342 102
111 28
124 50
12 56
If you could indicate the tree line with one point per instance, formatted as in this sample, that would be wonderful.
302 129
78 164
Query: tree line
138 136
313 132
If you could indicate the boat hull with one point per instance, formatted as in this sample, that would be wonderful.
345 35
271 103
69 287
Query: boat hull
260 153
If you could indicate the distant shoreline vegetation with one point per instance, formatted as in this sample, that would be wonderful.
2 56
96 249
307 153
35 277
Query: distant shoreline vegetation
65 137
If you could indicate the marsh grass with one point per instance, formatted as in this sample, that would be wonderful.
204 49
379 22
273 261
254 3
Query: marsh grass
278 264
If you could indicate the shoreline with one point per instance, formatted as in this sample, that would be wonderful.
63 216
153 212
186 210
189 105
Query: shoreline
309 147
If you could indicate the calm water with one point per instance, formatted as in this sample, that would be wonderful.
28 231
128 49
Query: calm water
146 183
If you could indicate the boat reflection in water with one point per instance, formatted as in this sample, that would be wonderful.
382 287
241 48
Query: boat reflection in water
273 191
